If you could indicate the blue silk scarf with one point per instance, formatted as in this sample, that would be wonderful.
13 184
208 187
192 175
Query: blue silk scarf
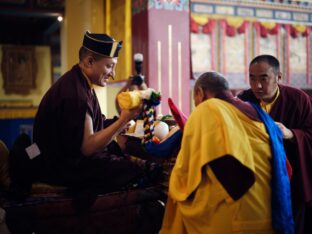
166 148
282 218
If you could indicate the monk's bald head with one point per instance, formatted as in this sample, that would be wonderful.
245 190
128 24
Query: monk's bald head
208 85
212 82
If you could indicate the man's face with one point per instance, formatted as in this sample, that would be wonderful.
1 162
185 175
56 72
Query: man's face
102 70
197 98
199 95
263 81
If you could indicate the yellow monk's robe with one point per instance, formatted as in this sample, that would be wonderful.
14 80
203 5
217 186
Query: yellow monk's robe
197 201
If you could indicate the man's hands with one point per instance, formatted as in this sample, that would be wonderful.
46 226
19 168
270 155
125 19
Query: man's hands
96 141
127 115
287 133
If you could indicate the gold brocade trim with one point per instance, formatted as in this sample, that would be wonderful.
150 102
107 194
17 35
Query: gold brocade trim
15 104
300 28
97 40
200 19
18 113
103 55
113 49
268 25
257 4
234 21
267 106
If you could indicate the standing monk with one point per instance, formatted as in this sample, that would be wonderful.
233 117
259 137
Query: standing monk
292 110
230 174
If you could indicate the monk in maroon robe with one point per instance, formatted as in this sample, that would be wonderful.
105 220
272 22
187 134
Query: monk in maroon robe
76 143
292 110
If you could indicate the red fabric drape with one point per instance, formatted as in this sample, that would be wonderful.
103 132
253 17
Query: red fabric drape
194 26
209 26
264 32
275 30
295 33
230 30
307 32
242 28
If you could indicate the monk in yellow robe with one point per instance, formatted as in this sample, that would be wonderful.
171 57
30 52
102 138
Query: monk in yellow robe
221 182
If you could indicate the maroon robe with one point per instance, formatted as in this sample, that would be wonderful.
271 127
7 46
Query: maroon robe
293 108
58 132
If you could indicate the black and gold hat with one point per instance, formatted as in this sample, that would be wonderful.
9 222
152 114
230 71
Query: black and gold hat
101 44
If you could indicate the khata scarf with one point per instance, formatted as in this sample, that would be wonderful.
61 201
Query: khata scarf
282 218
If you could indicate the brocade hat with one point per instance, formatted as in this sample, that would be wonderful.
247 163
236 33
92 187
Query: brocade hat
101 44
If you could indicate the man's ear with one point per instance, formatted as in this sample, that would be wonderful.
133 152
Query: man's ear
279 76
88 62
201 94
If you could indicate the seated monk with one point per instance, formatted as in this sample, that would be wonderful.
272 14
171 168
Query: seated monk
75 140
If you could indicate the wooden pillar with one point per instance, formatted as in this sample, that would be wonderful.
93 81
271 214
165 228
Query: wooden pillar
160 31
118 25
80 16
98 16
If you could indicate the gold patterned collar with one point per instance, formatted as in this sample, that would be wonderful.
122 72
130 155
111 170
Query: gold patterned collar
267 106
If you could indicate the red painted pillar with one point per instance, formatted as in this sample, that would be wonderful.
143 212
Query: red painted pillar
161 32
